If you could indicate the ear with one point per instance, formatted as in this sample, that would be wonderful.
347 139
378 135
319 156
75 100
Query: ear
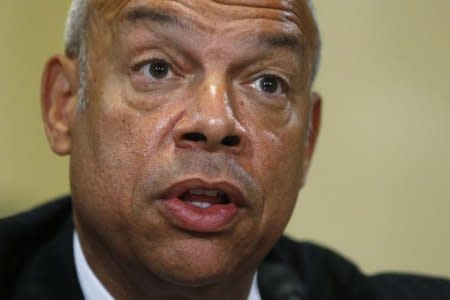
312 133
59 90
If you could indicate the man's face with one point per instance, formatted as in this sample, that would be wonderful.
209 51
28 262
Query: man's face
187 160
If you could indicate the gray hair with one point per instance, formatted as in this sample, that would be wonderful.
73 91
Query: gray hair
318 47
75 42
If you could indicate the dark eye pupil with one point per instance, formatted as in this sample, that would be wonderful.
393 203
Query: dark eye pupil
269 84
159 69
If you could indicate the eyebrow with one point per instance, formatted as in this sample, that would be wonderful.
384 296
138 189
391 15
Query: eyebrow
282 40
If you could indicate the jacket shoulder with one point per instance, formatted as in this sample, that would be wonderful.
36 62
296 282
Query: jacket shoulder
393 286
324 273
29 228
23 234
328 275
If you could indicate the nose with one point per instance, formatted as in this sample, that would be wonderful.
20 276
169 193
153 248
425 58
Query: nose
209 122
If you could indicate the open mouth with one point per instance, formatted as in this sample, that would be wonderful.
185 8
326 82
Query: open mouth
200 206
204 198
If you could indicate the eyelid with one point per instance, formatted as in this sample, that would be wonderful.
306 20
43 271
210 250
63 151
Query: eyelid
283 78
136 67
154 55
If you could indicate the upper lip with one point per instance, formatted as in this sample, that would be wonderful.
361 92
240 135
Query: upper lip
233 192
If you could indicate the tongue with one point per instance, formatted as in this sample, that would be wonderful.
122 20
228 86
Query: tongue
201 198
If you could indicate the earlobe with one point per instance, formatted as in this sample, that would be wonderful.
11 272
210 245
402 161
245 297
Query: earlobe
312 132
59 89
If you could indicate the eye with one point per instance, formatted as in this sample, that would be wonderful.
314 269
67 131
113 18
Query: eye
155 69
270 84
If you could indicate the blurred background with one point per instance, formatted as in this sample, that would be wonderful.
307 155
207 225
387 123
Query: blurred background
379 187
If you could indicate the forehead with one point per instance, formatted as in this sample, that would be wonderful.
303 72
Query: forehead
295 14
113 7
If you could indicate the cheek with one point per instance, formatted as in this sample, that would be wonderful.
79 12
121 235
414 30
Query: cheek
116 145
278 147
111 160
107 159
279 166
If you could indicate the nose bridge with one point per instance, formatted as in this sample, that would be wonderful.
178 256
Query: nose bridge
209 121
212 102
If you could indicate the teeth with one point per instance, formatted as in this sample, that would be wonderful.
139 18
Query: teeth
200 204
201 192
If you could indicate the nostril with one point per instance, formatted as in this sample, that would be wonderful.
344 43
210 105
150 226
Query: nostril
194 137
232 140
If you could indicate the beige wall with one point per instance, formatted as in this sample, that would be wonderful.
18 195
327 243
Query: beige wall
379 189
29 32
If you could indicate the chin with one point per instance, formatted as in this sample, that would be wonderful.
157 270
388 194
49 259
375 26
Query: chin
194 263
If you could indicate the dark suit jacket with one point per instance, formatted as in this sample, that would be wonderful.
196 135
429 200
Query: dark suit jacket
36 262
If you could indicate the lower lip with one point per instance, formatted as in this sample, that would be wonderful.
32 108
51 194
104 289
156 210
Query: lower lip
215 218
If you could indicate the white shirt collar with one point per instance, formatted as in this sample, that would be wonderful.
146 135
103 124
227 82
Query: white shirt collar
91 286
93 289
254 290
